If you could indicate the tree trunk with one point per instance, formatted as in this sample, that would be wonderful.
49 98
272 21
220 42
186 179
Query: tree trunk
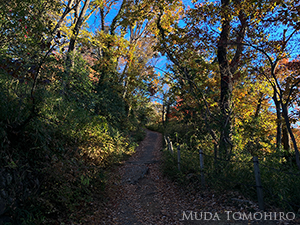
285 139
226 81
288 126
168 112
163 114
285 113
278 122
227 70
258 107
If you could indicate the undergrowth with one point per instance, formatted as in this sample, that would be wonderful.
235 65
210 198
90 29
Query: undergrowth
54 161
279 181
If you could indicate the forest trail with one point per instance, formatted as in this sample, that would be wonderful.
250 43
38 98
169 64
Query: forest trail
140 194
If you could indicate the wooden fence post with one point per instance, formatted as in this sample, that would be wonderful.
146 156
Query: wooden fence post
202 167
258 183
178 157
166 140
170 146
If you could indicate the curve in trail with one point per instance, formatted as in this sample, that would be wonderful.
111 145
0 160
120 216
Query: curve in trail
148 197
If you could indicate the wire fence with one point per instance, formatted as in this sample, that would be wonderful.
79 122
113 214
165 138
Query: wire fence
272 184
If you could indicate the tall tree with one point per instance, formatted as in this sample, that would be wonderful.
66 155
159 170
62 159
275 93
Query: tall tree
228 68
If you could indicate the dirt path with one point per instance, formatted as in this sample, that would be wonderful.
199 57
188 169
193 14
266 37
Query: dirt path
140 194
